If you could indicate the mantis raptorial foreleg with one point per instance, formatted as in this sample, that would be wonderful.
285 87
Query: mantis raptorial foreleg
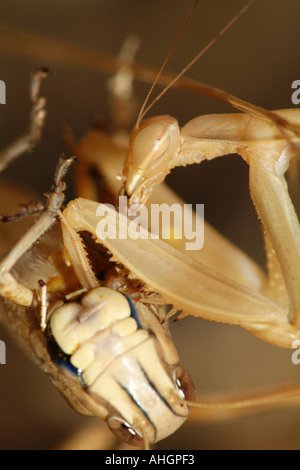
267 149
204 292
217 253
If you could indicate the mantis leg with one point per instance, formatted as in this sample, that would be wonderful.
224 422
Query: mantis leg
267 148
276 211
98 182
203 293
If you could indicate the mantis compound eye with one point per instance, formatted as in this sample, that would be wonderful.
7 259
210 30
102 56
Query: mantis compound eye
150 145
152 152
124 431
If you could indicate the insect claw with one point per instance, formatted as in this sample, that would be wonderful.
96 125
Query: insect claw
61 169
38 76
46 70
56 197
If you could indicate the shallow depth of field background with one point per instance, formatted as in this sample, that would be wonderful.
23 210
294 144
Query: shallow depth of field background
257 60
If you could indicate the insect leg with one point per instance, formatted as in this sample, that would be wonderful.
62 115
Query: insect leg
44 304
38 115
10 287
273 203
32 208
166 267
77 254
232 408
123 103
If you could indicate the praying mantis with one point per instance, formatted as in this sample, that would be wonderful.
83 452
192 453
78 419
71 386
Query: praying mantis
181 184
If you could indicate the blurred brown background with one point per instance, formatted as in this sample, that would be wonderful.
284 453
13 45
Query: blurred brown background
256 60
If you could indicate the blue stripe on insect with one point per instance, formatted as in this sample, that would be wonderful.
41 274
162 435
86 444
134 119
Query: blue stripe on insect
66 364
134 313
59 357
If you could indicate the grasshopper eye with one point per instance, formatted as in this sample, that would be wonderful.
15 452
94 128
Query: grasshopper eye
124 431
184 384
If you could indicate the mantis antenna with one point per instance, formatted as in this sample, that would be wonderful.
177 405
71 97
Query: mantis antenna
145 110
